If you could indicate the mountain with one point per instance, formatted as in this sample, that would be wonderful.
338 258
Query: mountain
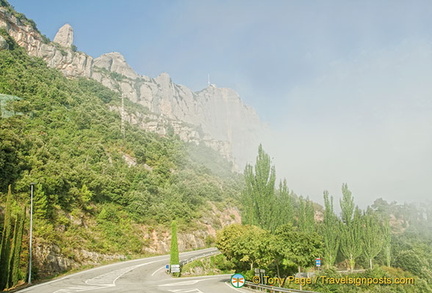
215 116
104 189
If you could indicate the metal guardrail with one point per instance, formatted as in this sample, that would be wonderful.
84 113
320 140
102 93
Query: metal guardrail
183 262
273 289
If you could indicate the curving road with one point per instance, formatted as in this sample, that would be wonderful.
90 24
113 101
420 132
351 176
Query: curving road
145 275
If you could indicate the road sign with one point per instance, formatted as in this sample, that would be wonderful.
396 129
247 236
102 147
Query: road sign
318 262
175 268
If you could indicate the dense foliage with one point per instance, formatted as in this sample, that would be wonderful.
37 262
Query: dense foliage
282 232
95 184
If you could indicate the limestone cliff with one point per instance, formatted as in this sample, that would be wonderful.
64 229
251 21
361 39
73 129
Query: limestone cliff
225 123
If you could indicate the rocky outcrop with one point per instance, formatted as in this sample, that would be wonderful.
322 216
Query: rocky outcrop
159 241
64 36
3 44
50 260
216 116
69 62
115 62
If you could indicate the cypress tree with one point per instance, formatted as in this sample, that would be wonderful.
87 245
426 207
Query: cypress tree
9 282
175 258
15 272
5 243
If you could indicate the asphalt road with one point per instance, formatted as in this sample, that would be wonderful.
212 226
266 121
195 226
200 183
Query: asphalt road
142 275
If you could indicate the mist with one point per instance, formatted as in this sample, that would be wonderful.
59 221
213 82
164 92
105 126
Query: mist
366 122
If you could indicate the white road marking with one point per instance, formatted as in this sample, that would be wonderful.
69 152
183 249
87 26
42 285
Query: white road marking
184 291
231 286
183 283
102 281
157 270
156 258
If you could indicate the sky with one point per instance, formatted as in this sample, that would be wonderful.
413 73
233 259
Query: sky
345 86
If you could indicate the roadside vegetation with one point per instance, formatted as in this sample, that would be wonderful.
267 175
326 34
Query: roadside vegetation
283 234
97 188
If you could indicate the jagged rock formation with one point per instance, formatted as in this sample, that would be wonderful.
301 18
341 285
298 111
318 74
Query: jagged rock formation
215 116
64 36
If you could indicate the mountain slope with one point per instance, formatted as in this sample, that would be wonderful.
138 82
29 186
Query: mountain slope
101 193
223 121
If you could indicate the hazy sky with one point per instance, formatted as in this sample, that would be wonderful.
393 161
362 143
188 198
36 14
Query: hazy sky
346 86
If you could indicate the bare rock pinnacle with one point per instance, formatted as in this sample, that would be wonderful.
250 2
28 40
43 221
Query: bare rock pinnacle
64 36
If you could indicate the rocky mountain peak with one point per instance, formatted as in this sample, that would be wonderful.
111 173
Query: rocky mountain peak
163 78
64 36
115 62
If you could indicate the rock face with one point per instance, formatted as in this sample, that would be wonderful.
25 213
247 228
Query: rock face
115 62
3 44
214 116
64 36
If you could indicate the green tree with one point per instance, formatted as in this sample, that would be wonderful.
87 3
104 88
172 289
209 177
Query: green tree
331 232
351 228
351 239
306 216
285 204
15 273
244 245
259 199
174 252
373 235
347 205
6 242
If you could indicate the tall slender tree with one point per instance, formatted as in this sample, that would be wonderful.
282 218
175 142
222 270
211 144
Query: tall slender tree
331 232
259 199
174 258
347 205
373 235
351 230
285 204
387 244
306 217
6 242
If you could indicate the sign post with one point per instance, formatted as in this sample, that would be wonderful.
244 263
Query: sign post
318 262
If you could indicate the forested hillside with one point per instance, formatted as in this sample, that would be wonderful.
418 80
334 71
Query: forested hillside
98 187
